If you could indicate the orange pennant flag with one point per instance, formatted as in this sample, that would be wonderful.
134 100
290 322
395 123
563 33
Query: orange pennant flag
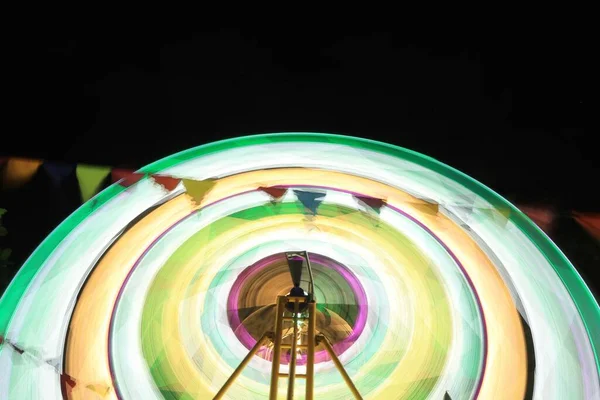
590 222
197 190
541 216
427 207
19 171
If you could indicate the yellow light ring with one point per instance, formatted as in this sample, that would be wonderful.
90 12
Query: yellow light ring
396 198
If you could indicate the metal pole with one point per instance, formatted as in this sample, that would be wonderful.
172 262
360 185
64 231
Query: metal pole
292 374
311 289
310 356
240 367
277 347
340 367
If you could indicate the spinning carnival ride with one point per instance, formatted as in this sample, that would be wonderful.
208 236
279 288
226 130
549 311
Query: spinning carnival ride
428 284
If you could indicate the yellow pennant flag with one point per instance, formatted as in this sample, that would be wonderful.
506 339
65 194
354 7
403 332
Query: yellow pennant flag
198 189
100 389
499 215
19 171
90 178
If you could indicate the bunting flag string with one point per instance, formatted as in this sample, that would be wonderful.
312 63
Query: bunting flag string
18 171
68 382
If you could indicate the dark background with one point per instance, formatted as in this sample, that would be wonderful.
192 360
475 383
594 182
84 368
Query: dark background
513 112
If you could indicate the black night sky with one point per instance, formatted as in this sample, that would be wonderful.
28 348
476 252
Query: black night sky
514 113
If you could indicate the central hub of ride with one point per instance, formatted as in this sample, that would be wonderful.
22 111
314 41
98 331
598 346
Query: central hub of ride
341 310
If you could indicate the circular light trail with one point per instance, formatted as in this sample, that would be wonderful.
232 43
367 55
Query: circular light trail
427 282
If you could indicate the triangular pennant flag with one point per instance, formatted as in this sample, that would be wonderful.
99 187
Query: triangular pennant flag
541 216
125 177
58 171
372 202
198 189
68 383
19 171
276 193
168 182
55 362
15 347
427 207
310 200
505 213
100 389
90 178
499 216
590 222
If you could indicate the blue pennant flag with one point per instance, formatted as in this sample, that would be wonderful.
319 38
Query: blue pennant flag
310 200
58 171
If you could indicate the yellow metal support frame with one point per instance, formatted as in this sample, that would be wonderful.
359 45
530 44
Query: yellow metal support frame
277 338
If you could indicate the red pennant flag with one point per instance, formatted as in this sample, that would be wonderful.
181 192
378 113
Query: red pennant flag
168 182
275 192
590 222
125 177
541 216
68 383
371 202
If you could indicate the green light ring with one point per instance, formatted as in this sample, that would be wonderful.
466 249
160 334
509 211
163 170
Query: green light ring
585 302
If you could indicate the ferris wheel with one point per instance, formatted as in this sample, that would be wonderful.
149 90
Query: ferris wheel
298 265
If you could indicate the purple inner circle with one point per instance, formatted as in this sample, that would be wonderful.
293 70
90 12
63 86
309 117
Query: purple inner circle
320 356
